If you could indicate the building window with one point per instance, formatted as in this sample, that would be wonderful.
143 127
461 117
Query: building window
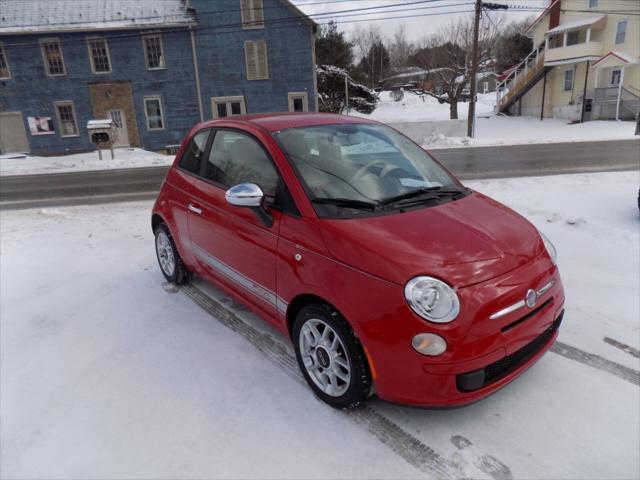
255 53
568 80
252 14
99 55
298 102
66 119
615 77
4 65
621 31
227 106
153 112
53 60
485 87
593 3
153 53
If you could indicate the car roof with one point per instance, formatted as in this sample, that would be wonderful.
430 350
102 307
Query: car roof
274 122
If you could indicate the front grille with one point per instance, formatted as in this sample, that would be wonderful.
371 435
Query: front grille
468 382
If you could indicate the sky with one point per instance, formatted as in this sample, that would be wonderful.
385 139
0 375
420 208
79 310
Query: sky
420 18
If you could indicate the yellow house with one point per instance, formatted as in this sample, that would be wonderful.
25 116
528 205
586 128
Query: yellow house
583 49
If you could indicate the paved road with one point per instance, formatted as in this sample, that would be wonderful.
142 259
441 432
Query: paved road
26 191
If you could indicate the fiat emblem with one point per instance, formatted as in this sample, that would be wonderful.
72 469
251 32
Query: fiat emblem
530 298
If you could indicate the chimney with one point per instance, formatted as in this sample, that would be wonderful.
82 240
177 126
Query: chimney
554 14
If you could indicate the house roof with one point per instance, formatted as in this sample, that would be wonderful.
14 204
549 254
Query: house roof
33 16
541 16
576 24
624 57
28 16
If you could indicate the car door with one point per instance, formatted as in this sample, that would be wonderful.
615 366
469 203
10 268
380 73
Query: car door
232 244
178 187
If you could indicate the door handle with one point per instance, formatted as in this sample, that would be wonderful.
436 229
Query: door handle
194 208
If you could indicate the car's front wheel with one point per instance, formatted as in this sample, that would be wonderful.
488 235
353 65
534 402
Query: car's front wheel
331 357
168 257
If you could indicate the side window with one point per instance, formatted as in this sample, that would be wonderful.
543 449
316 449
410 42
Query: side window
236 158
192 156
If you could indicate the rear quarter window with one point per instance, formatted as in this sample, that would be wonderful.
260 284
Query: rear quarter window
192 156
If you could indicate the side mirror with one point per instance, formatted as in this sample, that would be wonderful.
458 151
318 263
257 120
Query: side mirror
249 195
245 195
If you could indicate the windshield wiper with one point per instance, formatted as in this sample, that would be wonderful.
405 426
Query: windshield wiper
346 202
429 193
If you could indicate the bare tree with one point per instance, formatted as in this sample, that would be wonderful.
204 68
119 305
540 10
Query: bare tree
367 42
400 49
448 55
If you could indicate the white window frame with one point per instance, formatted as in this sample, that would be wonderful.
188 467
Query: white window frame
91 61
146 56
146 115
626 30
59 119
44 41
249 21
255 51
305 100
6 61
485 87
234 98
564 80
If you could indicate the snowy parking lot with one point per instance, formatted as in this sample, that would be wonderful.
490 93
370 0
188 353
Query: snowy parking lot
106 371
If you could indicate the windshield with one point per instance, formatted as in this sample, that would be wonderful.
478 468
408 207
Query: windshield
354 168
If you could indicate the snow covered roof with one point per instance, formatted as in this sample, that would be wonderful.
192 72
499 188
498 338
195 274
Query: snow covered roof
576 24
414 71
27 16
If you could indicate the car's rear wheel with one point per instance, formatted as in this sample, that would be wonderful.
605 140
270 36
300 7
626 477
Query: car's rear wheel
331 357
168 257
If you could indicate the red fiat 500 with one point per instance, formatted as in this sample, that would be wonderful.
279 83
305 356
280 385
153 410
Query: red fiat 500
383 269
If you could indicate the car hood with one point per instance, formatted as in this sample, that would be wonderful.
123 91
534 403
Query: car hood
462 242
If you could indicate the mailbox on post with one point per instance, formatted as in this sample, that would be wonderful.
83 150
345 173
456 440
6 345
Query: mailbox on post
102 134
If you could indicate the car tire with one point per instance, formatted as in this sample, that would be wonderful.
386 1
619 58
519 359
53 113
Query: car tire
171 264
330 356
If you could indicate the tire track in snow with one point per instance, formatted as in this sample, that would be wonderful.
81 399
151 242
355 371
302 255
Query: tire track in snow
622 346
596 361
402 443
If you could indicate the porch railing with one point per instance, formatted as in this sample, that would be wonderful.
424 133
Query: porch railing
520 76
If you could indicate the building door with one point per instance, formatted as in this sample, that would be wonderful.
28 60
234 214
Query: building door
13 136
120 122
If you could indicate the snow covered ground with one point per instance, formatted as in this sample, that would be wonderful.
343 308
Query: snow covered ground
494 129
124 158
108 372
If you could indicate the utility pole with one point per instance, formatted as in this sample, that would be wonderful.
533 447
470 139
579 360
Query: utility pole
474 71
480 5
346 93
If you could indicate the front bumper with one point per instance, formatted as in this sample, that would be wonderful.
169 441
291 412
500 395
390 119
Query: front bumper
483 354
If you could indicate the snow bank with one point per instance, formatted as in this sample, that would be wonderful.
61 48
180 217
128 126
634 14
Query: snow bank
493 129
124 158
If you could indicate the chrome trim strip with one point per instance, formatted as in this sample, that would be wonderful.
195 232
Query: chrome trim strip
509 309
232 274
512 308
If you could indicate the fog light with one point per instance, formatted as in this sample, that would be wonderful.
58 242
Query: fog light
429 344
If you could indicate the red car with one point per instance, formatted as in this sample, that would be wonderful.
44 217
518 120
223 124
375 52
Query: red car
385 271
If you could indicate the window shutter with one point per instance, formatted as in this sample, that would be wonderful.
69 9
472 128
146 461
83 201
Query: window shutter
245 6
250 59
263 65
258 14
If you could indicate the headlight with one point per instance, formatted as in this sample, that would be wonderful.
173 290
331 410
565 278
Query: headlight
551 250
432 299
